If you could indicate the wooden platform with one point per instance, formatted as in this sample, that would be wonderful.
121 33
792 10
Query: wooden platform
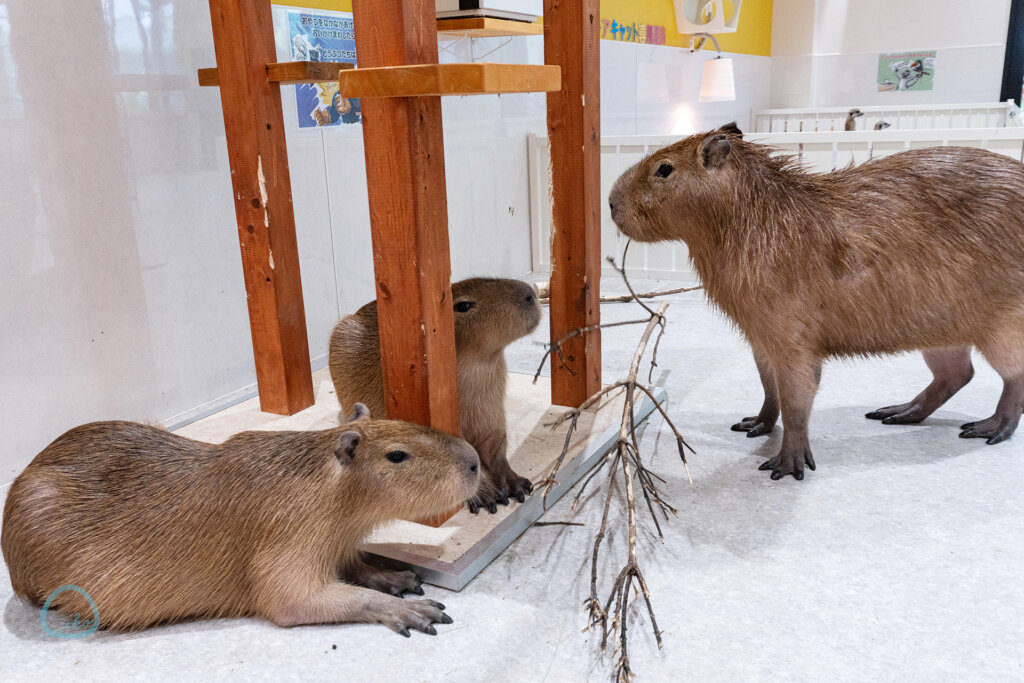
426 80
486 27
452 554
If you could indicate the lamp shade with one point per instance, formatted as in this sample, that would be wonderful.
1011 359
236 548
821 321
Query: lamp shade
717 85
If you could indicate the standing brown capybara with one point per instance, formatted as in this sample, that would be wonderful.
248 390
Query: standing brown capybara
158 528
918 250
490 314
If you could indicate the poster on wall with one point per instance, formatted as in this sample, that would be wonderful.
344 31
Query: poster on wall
317 37
906 71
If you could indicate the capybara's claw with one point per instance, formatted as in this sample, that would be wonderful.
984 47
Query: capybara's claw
498 488
993 430
753 426
760 429
396 583
417 614
745 424
783 464
903 414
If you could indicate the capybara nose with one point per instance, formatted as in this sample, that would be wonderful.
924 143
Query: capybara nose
614 200
528 292
471 459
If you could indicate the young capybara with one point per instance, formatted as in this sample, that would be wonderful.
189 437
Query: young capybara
158 528
918 250
490 314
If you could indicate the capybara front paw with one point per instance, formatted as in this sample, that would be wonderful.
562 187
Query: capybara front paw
754 426
396 583
514 486
496 489
789 462
993 430
905 413
486 500
420 615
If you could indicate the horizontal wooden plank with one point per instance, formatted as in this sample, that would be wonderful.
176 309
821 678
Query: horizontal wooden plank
478 78
485 27
287 72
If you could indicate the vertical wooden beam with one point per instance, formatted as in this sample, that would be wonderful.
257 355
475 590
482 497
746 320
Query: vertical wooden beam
243 36
572 41
404 149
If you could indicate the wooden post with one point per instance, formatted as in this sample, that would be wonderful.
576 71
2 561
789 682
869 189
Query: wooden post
409 218
572 41
243 36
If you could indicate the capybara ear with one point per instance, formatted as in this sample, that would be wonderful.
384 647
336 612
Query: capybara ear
361 413
347 442
713 151
731 129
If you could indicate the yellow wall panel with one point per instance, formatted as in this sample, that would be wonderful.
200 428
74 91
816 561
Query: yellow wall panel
753 36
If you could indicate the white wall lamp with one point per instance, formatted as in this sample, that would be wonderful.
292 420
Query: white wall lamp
717 84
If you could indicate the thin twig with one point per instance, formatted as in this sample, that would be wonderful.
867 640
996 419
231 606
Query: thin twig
611 614
626 298
559 524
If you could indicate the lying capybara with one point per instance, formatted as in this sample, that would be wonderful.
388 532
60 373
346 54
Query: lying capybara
918 250
158 528
490 314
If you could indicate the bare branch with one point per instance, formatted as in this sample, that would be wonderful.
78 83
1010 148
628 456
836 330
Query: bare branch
611 615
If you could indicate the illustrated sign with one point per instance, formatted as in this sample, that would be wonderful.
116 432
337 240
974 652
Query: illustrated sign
906 71
317 37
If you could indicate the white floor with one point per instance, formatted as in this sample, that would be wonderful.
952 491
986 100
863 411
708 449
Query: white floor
900 558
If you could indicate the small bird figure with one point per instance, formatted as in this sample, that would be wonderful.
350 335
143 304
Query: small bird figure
851 119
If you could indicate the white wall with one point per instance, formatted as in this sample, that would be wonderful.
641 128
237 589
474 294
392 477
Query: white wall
825 52
653 89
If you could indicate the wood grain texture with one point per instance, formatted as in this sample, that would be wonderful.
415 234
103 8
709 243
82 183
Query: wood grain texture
486 27
254 125
571 41
404 149
477 78
286 72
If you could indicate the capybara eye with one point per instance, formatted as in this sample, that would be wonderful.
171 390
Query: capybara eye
397 456
463 306
664 171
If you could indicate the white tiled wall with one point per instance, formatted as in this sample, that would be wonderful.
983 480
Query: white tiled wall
825 52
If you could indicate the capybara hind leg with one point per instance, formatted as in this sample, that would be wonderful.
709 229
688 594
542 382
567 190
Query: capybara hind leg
1005 353
341 603
798 383
1003 423
764 421
951 370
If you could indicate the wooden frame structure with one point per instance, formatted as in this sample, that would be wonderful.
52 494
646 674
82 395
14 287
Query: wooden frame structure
401 81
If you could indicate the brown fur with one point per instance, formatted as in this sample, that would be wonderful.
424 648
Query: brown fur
502 311
918 250
157 528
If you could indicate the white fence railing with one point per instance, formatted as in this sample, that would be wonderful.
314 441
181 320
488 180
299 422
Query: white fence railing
820 151
826 151
899 117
